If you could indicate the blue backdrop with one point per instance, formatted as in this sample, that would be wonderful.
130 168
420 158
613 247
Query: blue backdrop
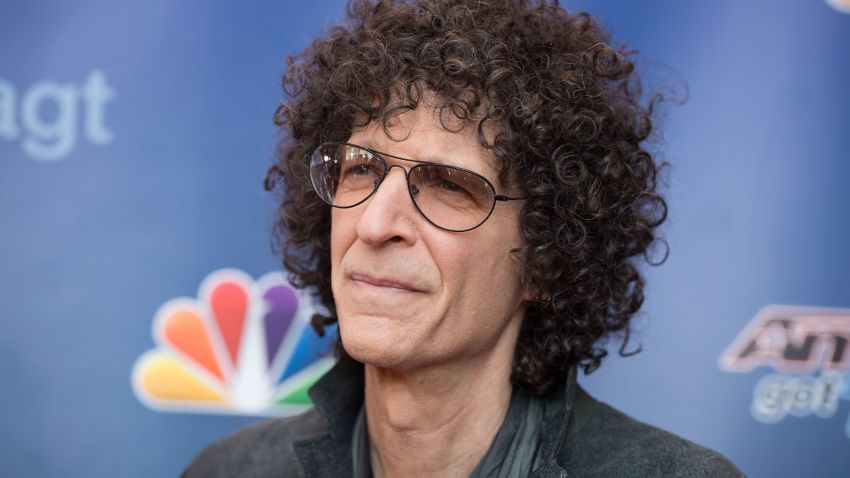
134 137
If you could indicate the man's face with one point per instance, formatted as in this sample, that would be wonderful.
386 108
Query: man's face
409 294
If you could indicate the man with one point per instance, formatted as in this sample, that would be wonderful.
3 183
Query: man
466 189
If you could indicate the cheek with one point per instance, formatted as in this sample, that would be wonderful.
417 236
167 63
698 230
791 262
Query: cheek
497 271
483 277
342 235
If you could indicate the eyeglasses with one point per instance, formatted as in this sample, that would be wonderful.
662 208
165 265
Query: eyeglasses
451 198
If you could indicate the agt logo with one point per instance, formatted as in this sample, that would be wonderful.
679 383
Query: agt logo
810 350
241 347
49 113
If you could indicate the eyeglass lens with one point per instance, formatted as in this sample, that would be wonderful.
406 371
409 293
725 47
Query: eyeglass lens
451 198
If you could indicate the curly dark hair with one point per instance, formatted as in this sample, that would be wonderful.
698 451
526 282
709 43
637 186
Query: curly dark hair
571 122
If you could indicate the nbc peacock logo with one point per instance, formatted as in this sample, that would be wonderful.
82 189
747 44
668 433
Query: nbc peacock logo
241 347
840 5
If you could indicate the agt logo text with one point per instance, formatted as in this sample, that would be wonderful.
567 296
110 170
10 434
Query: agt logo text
808 347
47 125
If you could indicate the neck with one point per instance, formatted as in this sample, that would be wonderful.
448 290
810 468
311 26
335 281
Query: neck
438 420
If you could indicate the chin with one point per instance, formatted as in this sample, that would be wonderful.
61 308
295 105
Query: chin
378 349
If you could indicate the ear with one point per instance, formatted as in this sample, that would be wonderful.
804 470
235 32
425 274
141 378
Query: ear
533 294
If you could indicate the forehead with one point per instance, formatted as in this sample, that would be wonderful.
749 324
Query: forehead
418 134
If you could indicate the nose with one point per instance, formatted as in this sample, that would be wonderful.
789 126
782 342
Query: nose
389 214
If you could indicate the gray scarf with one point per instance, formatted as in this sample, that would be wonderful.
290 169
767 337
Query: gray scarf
515 450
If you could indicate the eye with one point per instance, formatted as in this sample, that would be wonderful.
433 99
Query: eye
361 170
450 186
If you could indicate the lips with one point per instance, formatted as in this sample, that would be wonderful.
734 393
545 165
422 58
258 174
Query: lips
386 282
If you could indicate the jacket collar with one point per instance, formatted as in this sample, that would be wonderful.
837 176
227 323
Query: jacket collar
338 397
556 427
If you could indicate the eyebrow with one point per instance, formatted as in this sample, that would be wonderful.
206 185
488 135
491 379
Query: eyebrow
495 181
436 160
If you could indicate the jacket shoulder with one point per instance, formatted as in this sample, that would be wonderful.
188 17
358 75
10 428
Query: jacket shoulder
257 451
613 444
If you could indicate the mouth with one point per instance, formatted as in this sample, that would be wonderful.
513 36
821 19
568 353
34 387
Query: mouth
388 284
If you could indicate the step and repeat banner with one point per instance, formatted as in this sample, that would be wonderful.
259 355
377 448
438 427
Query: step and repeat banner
143 314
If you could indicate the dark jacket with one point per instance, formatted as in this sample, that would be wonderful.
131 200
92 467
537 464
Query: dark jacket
581 438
